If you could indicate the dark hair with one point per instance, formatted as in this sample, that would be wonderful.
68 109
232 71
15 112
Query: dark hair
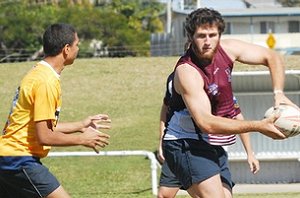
203 16
56 37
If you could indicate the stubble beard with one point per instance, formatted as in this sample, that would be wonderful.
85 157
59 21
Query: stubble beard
205 58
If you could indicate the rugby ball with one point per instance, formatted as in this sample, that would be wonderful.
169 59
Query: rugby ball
289 120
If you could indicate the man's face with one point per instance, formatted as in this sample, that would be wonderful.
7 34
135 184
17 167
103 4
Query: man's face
205 41
73 51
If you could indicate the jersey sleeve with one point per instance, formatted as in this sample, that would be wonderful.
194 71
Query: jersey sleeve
45 102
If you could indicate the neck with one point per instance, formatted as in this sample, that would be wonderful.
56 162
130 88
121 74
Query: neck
57 65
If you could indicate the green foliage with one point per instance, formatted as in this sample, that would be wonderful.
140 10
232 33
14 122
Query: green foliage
21 29
125 25
289 3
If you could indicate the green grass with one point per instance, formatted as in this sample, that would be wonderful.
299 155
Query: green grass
270 195
130 91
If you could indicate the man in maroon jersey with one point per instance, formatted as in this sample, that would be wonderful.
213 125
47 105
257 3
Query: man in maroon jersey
169 185
202 104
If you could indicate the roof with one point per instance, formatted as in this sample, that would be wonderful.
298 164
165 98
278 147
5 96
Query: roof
222 4
246 12
263 4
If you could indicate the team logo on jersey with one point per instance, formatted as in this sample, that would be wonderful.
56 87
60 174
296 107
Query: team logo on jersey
228 73
14 103
235 102
57 111
213 89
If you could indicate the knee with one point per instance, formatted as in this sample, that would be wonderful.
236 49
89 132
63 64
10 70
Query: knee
167 193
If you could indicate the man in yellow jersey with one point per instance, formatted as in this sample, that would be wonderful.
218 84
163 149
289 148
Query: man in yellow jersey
32 128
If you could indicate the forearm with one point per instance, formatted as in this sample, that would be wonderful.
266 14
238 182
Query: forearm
61 139
69 127
162 120
245 138
277 71
220 125
212 124
161 130
90 137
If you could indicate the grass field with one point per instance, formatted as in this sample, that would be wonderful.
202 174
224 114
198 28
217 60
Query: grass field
130 90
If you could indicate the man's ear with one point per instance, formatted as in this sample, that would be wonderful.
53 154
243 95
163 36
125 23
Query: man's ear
66 49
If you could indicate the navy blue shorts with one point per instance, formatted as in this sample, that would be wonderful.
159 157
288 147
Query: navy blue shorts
193 161
27 182
167 178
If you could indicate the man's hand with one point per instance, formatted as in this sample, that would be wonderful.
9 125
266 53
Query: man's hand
93 138
253 163
280 98
269 129
99 121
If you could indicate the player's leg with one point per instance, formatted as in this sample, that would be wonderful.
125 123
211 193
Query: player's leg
196 165
167 192
59 193
32 180
211 187
227 191
168 183
7 189
42 182
225 173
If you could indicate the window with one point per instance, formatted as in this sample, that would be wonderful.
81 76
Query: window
227 28
184 31
266 27
189 4
294 26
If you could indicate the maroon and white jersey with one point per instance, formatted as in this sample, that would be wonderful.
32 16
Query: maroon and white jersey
217 85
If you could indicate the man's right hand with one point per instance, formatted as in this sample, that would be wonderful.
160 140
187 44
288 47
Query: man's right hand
269 129
93 138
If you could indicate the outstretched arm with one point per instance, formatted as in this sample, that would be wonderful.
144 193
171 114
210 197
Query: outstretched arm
189 84
162 121
99 121
90 136
252 54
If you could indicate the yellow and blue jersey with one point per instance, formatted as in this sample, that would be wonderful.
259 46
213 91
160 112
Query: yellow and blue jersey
37 98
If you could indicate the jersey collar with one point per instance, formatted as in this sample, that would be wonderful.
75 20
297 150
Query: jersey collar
48 65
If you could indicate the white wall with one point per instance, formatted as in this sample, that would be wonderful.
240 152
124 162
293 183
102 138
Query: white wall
286 40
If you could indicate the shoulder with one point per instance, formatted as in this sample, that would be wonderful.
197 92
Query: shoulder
187 74
235 48
186 68
230 46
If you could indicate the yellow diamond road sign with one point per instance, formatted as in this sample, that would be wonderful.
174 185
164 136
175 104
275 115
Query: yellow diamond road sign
271 41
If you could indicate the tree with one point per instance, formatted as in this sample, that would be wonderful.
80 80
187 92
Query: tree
124 27
289 3
21 30
133 21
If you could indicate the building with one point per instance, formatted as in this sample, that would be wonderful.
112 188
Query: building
279 160
251 21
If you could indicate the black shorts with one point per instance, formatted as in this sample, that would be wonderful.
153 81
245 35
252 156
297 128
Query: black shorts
167 178
30 181
193 161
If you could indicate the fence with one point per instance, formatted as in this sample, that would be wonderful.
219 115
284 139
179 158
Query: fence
163 44
255 95
279 159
